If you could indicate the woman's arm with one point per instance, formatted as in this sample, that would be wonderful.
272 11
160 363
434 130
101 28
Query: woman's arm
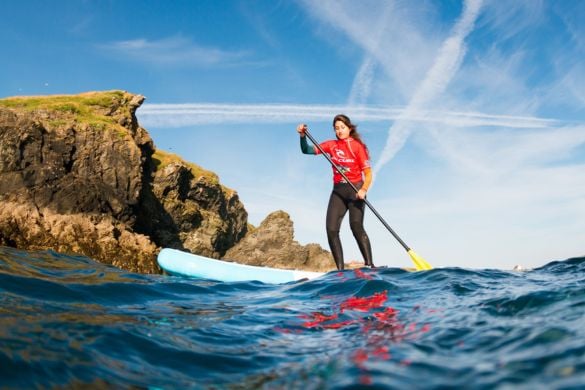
367 182
305 148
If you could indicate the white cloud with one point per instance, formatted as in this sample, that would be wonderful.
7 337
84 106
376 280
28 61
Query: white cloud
507 19
505 151
574 23
391 32
434 83
176 51
362 83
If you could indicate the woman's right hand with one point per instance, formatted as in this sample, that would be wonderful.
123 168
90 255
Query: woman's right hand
301 128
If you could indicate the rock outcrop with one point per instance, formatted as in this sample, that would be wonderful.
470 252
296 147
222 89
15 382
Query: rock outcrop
79 175
272 244
189 209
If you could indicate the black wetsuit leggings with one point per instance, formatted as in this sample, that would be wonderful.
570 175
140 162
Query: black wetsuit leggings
344 198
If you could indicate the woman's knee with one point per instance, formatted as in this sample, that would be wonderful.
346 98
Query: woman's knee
332 233
357 228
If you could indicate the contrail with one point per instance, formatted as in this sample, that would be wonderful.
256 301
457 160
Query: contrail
195 114
362 83
436 80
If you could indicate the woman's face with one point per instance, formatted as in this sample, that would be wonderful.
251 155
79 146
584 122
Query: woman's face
341 130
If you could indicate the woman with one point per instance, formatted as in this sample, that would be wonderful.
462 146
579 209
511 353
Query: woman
351 155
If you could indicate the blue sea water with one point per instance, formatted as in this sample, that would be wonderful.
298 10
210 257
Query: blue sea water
68 321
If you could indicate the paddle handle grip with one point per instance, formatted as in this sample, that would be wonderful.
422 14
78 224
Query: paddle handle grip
357 190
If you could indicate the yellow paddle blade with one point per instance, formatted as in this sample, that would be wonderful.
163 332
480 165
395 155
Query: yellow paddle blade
419 262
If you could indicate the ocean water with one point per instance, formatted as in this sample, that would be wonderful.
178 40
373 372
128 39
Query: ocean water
71 322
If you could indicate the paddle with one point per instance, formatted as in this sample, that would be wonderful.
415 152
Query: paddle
419 262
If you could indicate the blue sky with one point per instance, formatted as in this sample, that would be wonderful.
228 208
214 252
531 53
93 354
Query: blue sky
473 110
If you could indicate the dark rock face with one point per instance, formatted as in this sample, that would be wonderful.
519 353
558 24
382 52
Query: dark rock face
68 166
199 216
71 177
79 175
272 244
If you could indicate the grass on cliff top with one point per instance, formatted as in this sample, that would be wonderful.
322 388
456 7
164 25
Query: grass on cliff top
162 159
80 107
62 102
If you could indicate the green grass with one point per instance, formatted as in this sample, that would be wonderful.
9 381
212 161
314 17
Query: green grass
82 108
79 103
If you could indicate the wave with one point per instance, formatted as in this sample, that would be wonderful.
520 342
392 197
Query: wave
69 321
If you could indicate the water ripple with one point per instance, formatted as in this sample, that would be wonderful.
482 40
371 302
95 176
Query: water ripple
67 321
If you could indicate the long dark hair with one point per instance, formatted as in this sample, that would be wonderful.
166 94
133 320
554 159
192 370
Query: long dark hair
353 133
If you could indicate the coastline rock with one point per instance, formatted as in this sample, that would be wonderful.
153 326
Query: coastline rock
71 176
51 159
79 175
272 244
198 214
100 237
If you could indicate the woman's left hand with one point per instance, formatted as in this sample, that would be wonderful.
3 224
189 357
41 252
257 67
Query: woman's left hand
361 194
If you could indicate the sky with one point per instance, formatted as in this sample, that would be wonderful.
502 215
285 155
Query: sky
473 111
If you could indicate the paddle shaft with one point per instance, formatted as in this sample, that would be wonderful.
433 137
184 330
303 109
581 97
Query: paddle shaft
356 190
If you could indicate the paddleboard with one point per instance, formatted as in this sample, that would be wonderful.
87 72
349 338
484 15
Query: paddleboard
181 263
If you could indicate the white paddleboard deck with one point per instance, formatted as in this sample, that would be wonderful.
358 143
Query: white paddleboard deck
177 262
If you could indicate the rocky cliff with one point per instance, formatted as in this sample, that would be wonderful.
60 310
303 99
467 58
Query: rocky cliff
79 175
